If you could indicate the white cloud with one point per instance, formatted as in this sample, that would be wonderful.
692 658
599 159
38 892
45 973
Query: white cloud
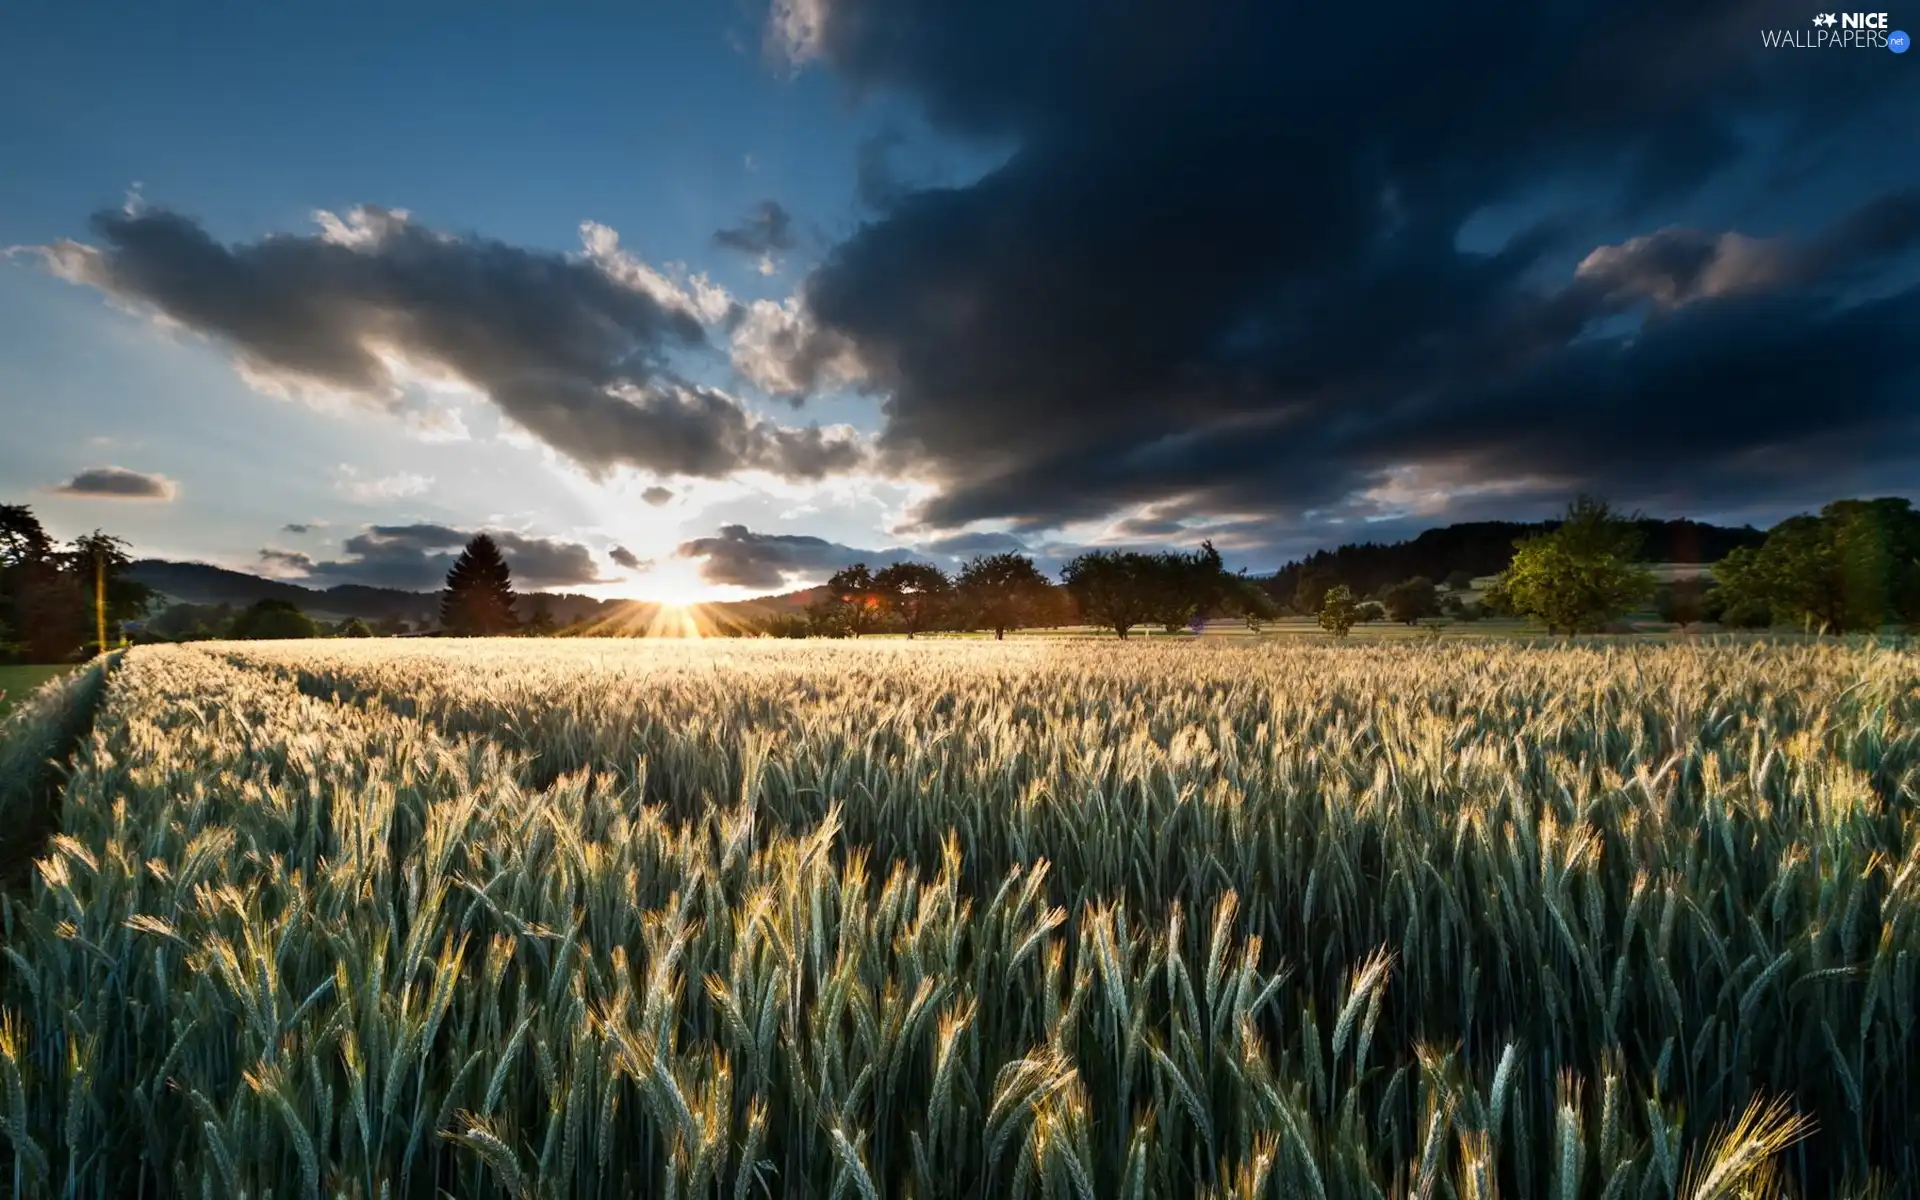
397 486
779 349
694 294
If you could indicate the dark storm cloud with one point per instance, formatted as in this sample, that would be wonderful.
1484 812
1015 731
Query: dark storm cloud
417 557
876 182
768 229
966 545
292 561
1222 265
624 557
118 483
741 557
573 348
657 495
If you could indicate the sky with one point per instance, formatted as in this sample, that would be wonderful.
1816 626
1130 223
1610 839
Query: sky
693 300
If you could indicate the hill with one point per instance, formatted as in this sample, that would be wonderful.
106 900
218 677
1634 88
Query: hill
1481 548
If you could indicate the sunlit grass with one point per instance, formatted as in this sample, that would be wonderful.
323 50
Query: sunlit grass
1053 918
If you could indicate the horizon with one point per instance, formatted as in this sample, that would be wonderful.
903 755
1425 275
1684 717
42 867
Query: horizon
1254 573
703 303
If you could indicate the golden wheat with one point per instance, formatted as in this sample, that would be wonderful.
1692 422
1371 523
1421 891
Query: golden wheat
1069 919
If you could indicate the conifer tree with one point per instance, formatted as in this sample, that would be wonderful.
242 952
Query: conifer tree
478 601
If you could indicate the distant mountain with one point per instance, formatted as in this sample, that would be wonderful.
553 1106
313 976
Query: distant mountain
203 583
1486 547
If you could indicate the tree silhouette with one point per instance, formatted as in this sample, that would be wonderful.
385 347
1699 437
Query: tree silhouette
916 591
861 601
273 620
1411 599
1114 588
478 601
1003 590
540 616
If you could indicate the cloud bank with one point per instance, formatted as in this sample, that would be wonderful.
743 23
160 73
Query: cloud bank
576 349
1221 275
118 483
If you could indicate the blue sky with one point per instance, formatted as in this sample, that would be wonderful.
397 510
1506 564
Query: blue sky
1109 285
663 126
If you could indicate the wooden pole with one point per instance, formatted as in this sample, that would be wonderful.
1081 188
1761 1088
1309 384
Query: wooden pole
100 599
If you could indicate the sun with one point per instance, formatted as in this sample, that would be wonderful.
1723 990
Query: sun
677 620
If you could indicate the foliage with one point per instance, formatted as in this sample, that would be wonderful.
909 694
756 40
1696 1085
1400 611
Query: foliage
678 919
1411 599
22 539
1246 599
1002 591
1854 567
354 627
1310 593
1685 602
862 605
48 595
1581 576
1464 552
1370 611
1339 611
832 616
918 593
188 622
1114 588
479 599
539 616
1184 588
787 625
100 555
270 620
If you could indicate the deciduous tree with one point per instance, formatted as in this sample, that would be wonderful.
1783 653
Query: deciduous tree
1114 588
1581 576
1339 611
915 592
1410 600
1005 591
853 589
272 620
1854 567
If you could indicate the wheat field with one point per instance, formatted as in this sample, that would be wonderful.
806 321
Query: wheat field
1037 919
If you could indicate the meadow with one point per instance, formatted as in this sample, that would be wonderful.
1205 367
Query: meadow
1060 919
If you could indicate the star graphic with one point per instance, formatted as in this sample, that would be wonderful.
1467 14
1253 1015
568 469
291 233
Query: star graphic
1824 19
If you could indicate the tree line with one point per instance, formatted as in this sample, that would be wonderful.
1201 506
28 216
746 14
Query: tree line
1852 567
55 601
1117 590
1472 550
